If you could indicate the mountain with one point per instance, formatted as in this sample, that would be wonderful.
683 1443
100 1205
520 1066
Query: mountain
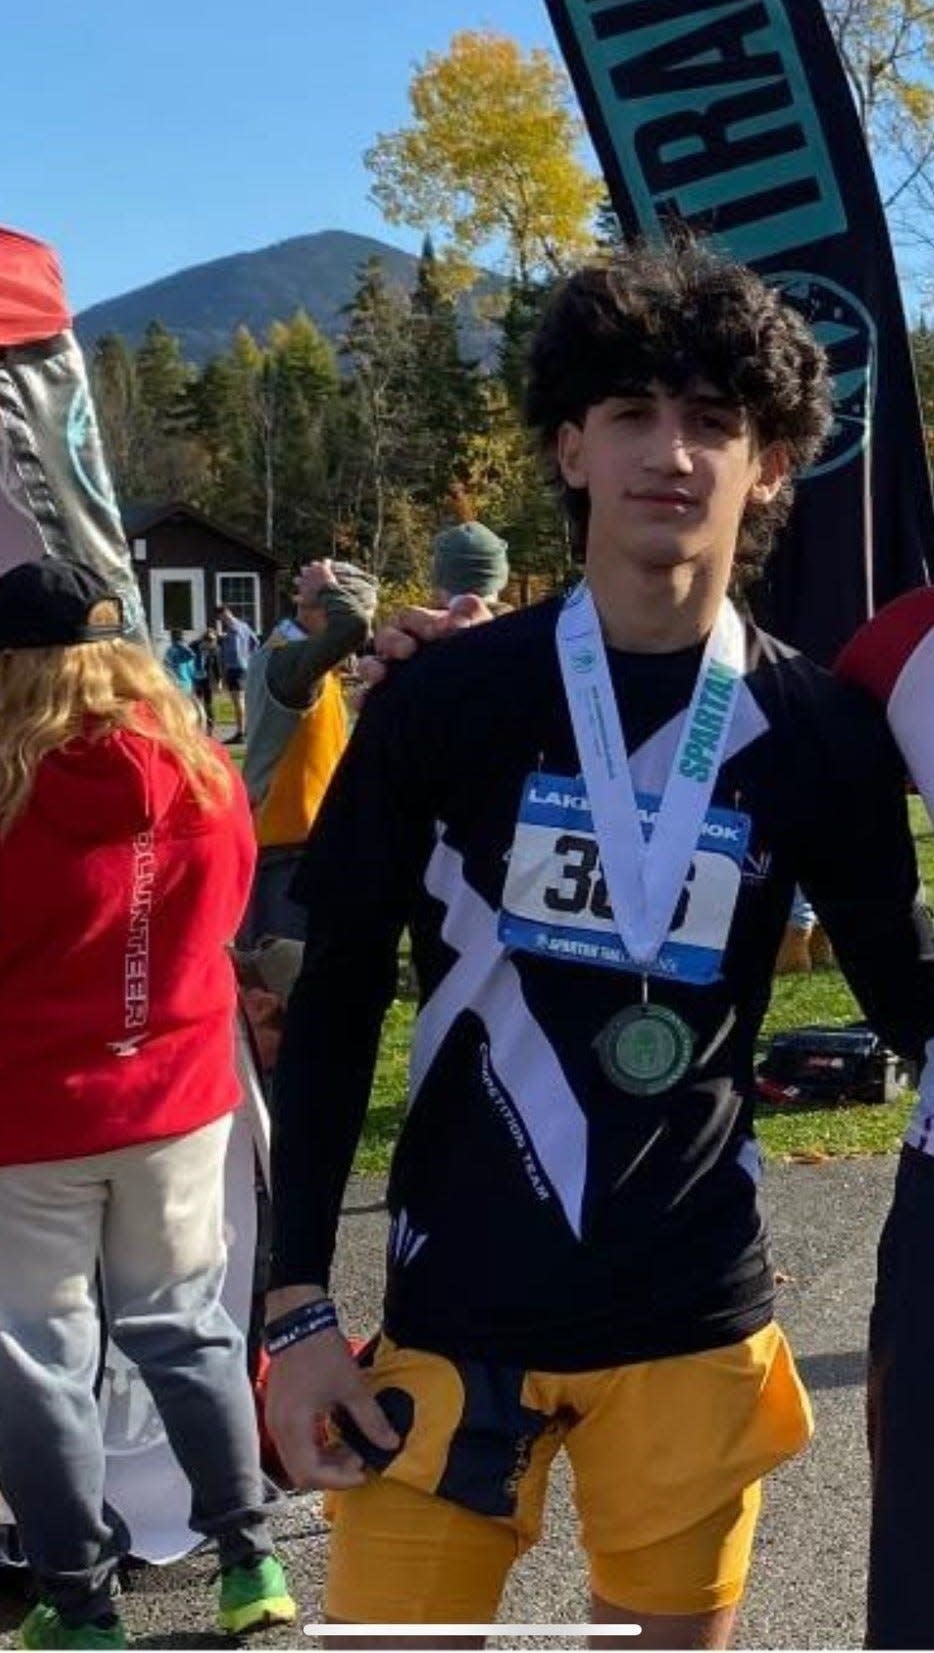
204 305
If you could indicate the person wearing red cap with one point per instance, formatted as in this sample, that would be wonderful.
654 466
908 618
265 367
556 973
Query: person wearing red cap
126 852
893 657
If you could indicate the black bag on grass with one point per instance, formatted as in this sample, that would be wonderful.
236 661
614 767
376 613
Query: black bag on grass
827 1065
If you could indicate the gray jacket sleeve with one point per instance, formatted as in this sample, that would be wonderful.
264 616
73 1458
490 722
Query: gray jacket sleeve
294 672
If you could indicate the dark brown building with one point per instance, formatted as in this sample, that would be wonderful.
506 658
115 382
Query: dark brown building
187 565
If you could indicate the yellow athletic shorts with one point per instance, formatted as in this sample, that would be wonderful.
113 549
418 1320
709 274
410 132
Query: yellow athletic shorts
667 1457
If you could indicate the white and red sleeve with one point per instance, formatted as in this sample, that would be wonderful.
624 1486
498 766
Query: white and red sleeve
892 656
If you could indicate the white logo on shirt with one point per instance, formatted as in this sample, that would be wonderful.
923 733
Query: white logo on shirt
127 1047
136 961
405 1242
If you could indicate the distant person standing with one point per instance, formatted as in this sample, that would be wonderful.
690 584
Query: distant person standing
180 661
298 729
237 642
805 945
207 673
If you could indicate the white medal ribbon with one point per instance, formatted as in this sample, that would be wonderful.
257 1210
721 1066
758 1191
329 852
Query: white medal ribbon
645 877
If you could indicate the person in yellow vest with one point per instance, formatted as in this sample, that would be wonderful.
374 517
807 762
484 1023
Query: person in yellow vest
297 729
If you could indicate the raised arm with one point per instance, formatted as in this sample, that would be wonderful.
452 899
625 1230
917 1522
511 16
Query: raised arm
340 627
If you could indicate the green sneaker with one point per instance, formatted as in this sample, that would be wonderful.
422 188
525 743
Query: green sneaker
253 1598
43 1628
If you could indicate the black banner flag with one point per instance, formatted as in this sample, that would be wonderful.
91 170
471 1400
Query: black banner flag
736 118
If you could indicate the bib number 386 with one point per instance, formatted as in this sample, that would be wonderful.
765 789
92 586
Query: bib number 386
555 899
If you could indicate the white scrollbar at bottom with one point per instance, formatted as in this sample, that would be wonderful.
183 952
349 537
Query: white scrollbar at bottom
427 1631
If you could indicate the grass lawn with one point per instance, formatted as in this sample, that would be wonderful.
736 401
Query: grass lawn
810 1133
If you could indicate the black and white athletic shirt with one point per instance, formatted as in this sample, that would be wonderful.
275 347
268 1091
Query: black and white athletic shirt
540 1216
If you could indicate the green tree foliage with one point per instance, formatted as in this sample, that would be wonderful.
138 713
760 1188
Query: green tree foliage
112 371
378 348
520 318
298 379
443 391
366 460
507 491
225 414
261 410
922 350
147 421
165 380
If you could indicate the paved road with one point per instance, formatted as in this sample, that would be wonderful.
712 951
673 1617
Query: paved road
809 1578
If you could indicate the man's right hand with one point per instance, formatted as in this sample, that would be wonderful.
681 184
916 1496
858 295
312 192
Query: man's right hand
306 1384
411 627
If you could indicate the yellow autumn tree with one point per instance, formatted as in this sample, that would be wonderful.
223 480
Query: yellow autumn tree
887 51
491 157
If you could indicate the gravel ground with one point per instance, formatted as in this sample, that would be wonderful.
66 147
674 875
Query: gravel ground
808 1580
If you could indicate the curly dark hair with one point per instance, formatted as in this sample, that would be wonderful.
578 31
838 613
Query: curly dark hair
673 313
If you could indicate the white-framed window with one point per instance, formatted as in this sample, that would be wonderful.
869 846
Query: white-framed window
240 593
176 600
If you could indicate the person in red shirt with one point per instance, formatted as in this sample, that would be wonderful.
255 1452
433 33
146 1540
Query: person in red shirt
126 854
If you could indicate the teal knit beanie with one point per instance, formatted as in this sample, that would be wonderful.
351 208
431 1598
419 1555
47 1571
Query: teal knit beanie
469 558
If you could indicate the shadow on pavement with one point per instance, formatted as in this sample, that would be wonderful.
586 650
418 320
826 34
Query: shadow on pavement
178 1639
839 1371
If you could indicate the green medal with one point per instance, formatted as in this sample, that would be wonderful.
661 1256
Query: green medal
645 1050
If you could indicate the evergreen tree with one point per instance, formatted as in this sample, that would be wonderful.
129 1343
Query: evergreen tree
260 411
171 461
524 305
443 391
922 350
165 381
225 417
508 490
377 344
302 368
112 374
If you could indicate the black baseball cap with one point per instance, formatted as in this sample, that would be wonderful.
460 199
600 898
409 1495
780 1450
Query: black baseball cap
46 604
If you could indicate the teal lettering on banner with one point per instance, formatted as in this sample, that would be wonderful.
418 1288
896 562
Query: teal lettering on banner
751 147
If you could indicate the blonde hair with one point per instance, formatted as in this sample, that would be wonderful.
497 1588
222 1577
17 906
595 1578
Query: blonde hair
49 696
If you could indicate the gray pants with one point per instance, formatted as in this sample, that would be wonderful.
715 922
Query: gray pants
150 1218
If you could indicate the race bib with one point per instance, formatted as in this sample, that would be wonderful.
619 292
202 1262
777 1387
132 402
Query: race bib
555 901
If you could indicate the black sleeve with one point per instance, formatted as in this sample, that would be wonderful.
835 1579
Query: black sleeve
857 864
358 877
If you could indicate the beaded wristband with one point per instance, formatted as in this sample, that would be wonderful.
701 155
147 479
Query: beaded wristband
298 1324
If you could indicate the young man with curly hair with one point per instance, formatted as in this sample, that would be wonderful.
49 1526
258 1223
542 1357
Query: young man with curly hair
591 815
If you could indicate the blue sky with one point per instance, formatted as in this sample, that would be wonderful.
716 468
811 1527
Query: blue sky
146 135
141 136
